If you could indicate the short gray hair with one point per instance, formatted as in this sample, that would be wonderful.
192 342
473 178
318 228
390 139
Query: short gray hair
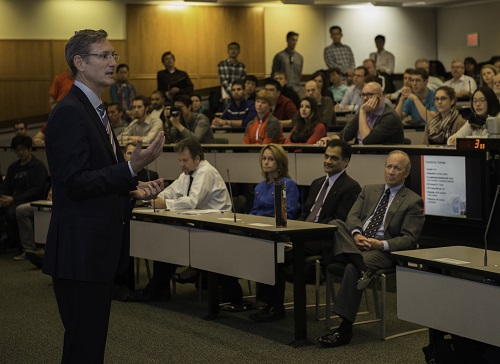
80 43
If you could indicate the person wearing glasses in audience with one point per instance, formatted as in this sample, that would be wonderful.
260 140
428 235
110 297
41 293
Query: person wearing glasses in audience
463 85
123 92
308 126
375 123
92 191
417 101
265 128
447 120
290 61
352 99
484 103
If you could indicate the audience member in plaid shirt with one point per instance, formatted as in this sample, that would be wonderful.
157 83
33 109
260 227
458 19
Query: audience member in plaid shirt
231 69
338 54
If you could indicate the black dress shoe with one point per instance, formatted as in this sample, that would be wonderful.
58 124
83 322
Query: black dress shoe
123 293
145 295
335 339
192 279
366 278
268 313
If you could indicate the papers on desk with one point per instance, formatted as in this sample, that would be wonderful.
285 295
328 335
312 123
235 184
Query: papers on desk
198 212
228 219
451 261
259 224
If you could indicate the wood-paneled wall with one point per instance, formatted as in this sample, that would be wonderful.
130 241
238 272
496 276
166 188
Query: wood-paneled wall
197 35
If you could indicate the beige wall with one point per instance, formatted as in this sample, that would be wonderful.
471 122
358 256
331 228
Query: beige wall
455 23
37 19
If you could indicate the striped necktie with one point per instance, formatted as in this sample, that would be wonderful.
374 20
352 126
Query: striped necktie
319 203
105 121
378 215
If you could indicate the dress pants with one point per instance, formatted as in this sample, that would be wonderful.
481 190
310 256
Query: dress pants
348 299
84 308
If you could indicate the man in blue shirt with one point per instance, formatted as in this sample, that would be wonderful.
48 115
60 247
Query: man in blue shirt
417 102
239 112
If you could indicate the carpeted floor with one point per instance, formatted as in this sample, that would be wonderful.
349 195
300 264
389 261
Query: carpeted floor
174 332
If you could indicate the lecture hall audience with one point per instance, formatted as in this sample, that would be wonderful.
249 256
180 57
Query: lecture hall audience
265 128
447 120
484 103
308 126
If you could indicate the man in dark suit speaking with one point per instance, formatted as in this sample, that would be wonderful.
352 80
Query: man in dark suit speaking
92 189
386 217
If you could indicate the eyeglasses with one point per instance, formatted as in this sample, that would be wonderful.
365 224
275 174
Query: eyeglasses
103 56
444 98
479 101
369 94
291 59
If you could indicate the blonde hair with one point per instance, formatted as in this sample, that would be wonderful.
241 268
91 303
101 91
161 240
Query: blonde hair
266 96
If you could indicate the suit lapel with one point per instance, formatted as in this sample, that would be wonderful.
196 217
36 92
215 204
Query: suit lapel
96 120
334 189
395 205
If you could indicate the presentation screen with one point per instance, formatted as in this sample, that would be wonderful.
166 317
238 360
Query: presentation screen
444 185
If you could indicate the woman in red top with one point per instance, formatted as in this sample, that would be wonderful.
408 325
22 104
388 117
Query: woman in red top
265 128
309 128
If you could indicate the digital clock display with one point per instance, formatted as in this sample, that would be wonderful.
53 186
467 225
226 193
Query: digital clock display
474 143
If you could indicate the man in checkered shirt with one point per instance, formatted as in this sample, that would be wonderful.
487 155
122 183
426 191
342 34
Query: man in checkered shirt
231 70
338 54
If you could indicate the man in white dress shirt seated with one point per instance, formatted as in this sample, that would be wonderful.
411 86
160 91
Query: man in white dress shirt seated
463 85
200 186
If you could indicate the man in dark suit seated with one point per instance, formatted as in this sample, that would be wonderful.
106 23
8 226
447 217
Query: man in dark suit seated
384 218
330 197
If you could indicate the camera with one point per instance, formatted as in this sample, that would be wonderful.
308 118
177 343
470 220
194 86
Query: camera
175 111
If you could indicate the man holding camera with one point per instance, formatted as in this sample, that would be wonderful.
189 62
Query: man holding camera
190 124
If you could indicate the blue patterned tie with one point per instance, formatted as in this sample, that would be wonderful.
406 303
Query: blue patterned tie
105 121
378 216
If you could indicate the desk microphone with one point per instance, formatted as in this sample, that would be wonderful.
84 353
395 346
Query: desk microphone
231 194
488 227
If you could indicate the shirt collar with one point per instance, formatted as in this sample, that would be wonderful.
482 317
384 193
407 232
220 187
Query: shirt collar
93 98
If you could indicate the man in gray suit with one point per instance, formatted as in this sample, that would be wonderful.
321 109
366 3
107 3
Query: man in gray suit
384 218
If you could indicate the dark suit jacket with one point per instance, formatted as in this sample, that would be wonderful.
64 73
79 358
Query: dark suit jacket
404 219
88 234
338 202
387 129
